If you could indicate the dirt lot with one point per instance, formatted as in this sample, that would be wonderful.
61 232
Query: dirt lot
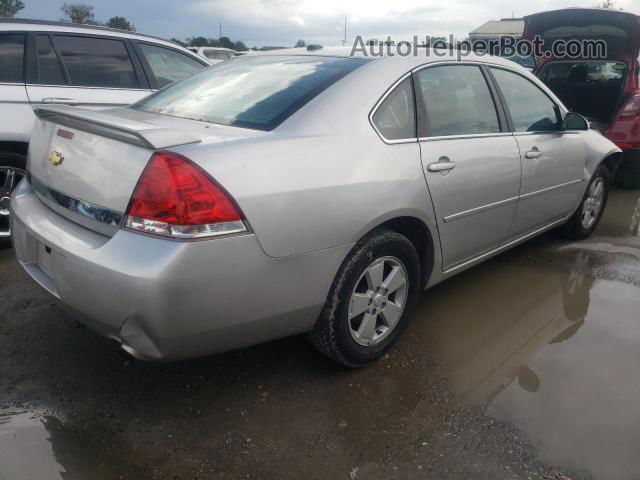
525 367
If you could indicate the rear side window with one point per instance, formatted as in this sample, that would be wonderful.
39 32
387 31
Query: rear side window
257 92
395 119
96 62
12 58
531 109
49 68
457 101
167 65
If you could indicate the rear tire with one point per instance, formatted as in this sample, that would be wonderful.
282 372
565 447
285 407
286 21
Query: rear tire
357 339
587 217
17 164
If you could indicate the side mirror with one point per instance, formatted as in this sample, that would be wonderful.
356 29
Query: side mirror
575 121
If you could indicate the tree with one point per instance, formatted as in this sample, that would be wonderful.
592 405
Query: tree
608 4
198 42
226 42
240 46
9 8
120 23
78 13
300 44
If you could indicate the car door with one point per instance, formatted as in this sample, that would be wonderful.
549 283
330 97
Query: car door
84 70
553 160
470 160
166 65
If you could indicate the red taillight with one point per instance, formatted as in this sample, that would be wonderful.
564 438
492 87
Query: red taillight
632 107
175 198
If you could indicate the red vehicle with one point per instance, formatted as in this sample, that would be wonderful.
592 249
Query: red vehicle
605 90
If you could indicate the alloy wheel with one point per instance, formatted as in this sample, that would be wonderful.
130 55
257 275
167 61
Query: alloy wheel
378 301
593 203
9 179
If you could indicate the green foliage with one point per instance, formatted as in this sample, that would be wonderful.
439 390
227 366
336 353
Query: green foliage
120 23
223 42
300 44
78 13
9 8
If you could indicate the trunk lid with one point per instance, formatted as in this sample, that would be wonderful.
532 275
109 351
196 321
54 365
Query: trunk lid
85 165
620 30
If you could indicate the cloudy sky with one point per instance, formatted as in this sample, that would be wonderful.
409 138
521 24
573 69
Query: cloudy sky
282 22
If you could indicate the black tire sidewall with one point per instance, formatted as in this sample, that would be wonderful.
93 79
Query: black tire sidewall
384 244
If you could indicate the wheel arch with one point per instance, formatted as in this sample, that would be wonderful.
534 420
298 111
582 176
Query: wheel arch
419 234
612 162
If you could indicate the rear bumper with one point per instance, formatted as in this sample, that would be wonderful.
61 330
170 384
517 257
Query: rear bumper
167 300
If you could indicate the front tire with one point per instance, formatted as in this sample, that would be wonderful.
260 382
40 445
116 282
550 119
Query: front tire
371 300
12 170
587 217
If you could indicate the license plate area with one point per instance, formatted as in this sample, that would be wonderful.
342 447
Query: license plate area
44 259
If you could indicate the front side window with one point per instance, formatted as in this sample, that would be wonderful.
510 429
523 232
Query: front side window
457 101
167 65
531 109
12 58
252 92
96 62
49 68
395 118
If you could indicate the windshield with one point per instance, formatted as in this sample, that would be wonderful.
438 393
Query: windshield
252 92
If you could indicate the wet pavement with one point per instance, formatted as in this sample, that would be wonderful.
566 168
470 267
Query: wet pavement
523 367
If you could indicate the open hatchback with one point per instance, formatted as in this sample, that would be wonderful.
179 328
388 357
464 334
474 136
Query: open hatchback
603 88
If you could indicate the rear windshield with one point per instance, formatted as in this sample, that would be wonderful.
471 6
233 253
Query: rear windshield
604 73
252 92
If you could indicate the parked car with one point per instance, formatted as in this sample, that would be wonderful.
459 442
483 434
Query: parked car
93 67
298 192
215 54
605 90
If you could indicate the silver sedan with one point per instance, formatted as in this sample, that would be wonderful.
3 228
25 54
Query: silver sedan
298 192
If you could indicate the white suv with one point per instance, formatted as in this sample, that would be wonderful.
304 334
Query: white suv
64 63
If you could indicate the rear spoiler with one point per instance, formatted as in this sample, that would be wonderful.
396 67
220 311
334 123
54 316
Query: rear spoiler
112 126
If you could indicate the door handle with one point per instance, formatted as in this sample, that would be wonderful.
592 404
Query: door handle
533 153
441 166
61 100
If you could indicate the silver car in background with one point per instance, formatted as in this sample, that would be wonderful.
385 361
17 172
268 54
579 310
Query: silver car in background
298 192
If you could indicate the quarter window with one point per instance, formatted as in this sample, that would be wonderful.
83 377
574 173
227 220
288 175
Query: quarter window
531 109
395 119
457 101
12 58
167 65
97 62
49 68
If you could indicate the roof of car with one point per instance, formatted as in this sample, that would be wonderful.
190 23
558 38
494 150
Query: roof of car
36 25
422 55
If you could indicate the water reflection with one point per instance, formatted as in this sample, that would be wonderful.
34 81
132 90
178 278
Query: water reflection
33 446
487 325
553 352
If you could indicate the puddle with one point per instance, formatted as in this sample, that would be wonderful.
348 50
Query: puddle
554 353
622 215
34 446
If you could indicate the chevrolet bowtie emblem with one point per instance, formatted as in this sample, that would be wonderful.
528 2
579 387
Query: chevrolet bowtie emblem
56 158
